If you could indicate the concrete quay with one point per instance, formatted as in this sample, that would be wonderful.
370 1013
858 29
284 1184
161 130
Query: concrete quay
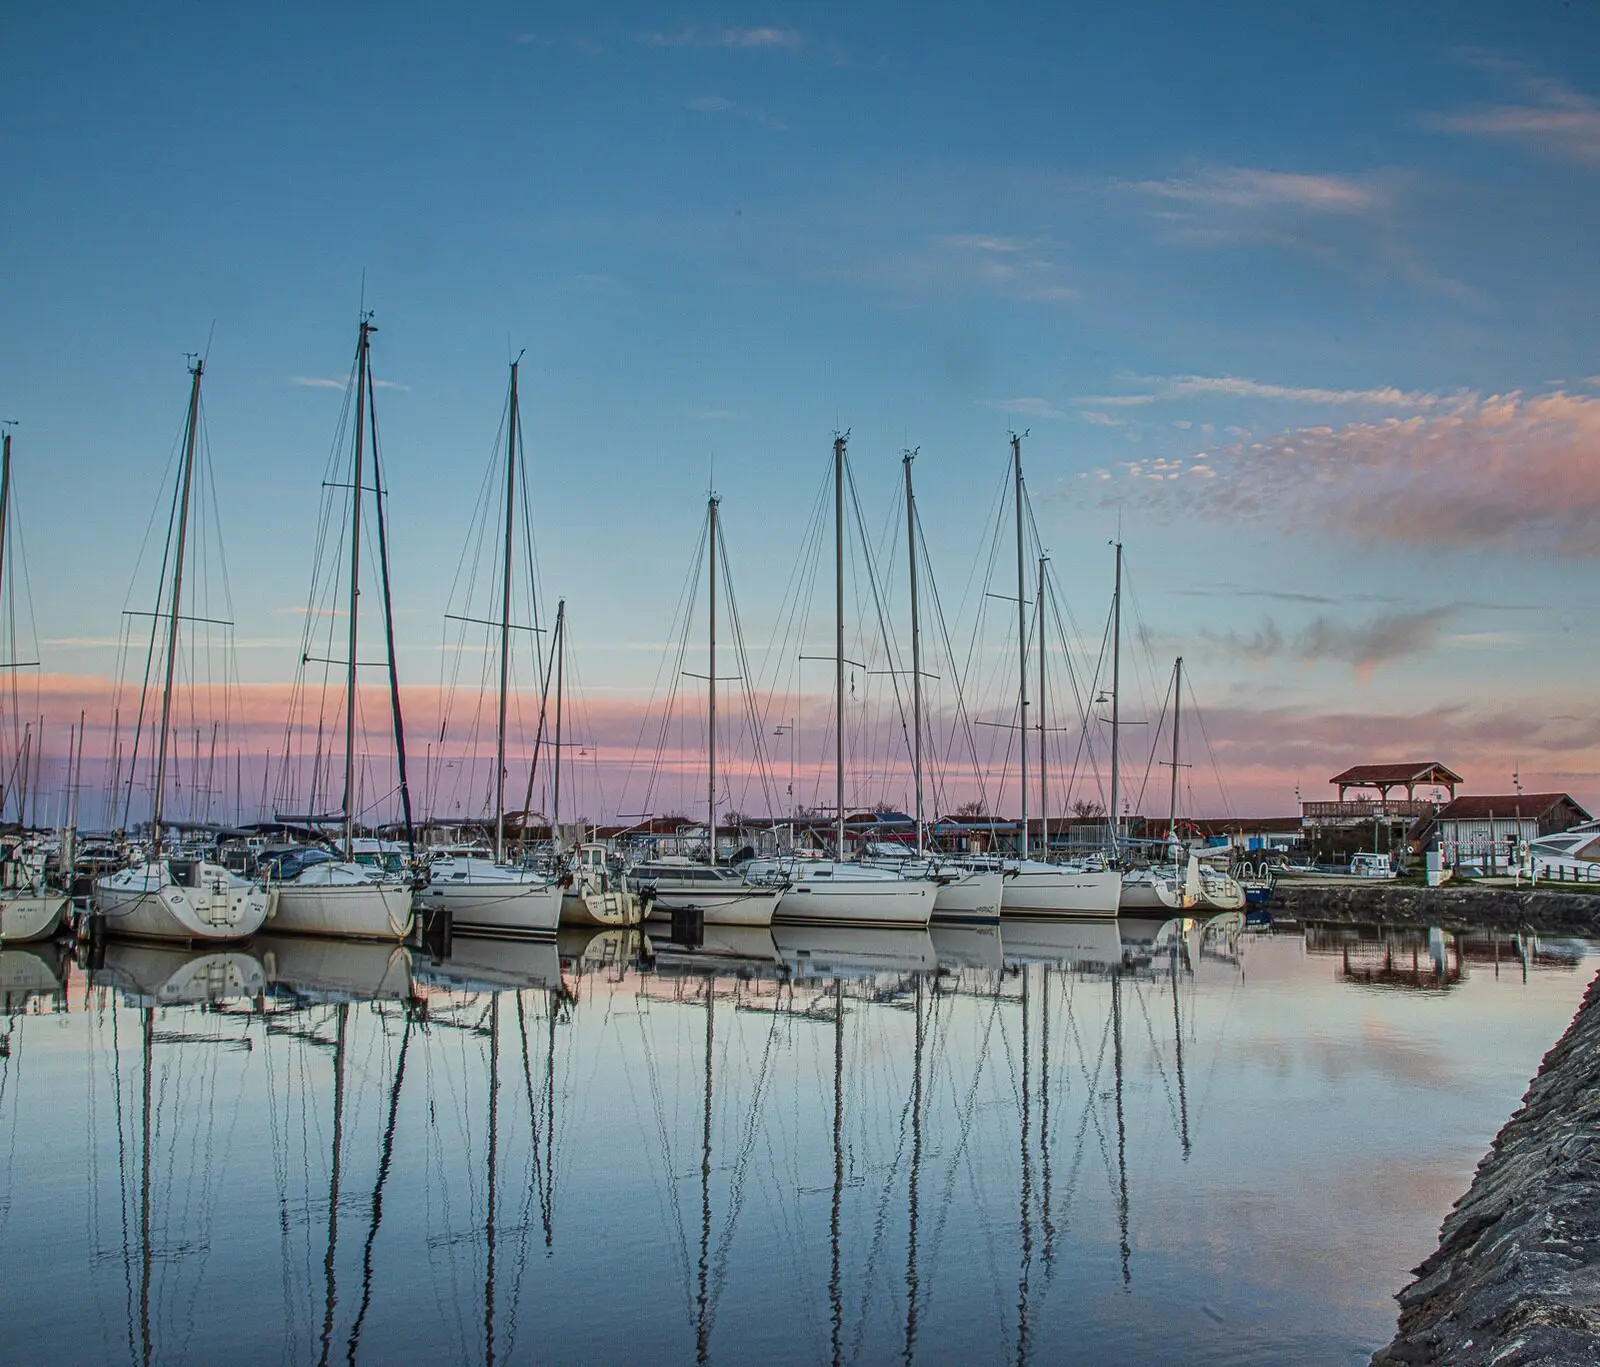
1451 907
1516 1277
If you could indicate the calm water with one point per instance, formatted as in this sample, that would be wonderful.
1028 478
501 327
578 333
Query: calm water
1097 1142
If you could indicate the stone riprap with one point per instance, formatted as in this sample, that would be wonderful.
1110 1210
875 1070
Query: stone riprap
1462 907
1516 1277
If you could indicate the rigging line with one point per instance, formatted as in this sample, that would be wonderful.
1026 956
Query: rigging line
1216 769
753 717
682 619
1155 741
1086 738
388 622
884 629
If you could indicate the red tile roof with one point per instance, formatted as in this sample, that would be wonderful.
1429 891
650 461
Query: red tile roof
1480 806
1412 771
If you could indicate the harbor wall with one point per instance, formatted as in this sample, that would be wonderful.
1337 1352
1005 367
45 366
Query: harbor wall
1450 907
1516 1276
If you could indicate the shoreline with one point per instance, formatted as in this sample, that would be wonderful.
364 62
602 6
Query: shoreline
1449 907
1516 1276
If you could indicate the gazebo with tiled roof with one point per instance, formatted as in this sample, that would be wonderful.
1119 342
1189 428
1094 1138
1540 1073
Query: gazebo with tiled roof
1407 775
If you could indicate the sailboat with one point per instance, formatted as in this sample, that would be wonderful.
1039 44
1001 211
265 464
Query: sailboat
722 896
28 909
1036 887
343 896
965 895
164 897
493 896
832 892
1182 882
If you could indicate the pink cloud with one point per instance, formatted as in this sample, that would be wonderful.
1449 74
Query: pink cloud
1505 471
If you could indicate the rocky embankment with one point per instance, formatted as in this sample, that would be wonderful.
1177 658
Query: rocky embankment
1516 1278
1461 907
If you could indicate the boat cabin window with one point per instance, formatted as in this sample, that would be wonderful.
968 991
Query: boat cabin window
185 872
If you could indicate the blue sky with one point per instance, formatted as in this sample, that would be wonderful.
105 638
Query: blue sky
1340 262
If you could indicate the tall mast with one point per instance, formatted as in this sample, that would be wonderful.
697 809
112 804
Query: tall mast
355 590
711 676
1116 701
838 644
916 648
191 430
505 624
1022 643
1044 791
1177 707
561 665
5 498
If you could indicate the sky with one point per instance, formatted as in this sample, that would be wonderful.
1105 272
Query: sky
1301 305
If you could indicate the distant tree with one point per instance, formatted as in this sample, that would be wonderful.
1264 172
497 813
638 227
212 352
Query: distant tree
1083 809
977 807
884 809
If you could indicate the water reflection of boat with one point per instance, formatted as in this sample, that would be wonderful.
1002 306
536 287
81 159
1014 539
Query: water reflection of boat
480 964
326 969
721 949
1079 943
154 975
586 950
838 952
967 946
35 971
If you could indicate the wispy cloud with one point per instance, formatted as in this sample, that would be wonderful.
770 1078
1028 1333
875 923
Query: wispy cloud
1163 388
718 104
580 43
1015 268
1243 187
1364 646
1504 472
327 382
1026 407
763 38
1551 116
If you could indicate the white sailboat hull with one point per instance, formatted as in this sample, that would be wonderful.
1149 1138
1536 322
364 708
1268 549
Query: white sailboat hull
857 902
29 916
145 903
735 905
1056 893
509 909
1146 893
356 911
612 907
973 899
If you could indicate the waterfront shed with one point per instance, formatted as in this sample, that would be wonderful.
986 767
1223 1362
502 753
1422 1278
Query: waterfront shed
1485 821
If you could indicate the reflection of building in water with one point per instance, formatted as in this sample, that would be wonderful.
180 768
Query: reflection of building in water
1425 960
1522 953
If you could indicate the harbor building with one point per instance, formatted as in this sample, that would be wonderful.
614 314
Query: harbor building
1493 831
1368 815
